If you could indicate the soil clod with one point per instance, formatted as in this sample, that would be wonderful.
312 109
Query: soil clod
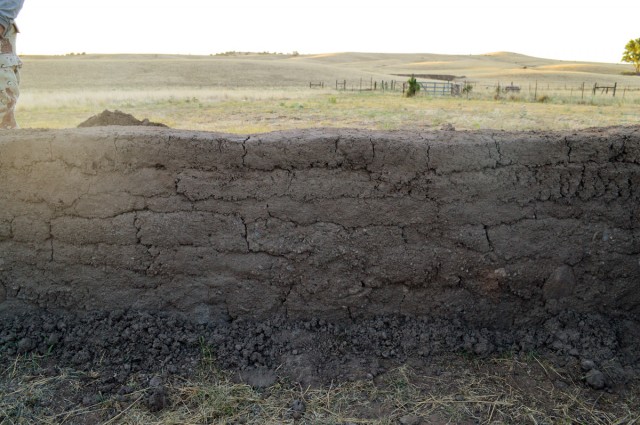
596 379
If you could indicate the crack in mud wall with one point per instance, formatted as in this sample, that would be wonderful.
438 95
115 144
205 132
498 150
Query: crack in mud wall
498 227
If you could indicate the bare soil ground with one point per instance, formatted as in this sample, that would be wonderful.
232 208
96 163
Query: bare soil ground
133 367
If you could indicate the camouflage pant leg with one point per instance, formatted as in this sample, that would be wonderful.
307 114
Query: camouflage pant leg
9 79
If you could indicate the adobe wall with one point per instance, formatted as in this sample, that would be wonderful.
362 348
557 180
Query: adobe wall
496 227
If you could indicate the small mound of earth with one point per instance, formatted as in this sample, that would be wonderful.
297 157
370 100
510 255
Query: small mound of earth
107 117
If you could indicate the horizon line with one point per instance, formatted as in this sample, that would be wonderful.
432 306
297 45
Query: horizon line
297 54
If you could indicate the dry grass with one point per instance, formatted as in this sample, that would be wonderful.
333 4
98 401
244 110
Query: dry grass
454 390
260 93
255 111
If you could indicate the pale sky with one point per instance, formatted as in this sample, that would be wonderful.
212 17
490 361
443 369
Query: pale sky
568 30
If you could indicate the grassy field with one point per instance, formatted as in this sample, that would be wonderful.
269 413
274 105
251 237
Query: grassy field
254 93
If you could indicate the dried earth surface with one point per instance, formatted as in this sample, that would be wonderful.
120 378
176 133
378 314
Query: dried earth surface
129 258
130 357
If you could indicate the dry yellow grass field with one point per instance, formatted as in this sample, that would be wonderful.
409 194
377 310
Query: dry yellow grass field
253 93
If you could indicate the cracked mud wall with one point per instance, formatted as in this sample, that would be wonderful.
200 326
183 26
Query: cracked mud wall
495 227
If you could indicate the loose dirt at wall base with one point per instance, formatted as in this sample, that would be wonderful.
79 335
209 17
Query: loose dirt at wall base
123 351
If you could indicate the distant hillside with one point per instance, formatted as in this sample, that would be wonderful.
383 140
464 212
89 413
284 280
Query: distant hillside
490 66
276 70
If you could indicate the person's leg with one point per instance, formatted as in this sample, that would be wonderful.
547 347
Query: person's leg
9 79
9 93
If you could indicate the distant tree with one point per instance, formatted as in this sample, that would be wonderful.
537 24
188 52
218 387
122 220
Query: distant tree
414 87
632 54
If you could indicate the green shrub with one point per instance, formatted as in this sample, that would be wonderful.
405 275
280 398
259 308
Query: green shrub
414 87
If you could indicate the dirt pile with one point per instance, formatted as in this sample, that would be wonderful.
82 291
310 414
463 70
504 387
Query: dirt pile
106 118
597 351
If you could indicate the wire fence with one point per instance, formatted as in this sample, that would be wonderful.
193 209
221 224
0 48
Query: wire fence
525 90
548 90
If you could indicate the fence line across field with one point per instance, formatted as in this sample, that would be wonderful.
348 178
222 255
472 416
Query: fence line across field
584 88
530 88
367 85
426 87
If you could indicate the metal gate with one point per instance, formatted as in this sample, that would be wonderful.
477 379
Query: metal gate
440 89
